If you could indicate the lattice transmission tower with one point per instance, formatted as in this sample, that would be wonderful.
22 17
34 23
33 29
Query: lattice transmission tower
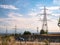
44 25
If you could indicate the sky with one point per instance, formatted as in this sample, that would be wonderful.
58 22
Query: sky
26 15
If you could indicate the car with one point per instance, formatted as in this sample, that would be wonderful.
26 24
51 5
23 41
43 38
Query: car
20 38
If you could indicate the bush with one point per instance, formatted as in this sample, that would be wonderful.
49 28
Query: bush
27 33
42 32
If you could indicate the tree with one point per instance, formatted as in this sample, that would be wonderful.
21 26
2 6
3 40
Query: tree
42 32
46 32
27 33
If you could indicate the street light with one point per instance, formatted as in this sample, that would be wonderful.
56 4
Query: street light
59 22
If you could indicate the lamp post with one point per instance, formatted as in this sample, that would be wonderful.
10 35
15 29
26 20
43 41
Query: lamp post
59 22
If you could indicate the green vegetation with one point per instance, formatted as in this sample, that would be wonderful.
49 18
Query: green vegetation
27 33
43 32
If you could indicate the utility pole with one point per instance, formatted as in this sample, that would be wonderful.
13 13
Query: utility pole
15 30
4 38
6 31
37 30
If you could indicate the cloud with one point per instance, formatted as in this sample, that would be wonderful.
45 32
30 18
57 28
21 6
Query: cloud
30 23
41 6
39 13
13 15
50 8
8 7
21 22
53 8
39 10
53 17
26 23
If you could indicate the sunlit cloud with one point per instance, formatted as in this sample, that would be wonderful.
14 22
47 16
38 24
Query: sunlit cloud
26 23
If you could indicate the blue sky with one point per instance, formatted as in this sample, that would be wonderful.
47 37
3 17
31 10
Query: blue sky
26 14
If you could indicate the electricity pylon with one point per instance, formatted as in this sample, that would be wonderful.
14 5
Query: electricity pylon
44 25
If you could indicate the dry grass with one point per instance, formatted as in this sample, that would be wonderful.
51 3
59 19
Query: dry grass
11 41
